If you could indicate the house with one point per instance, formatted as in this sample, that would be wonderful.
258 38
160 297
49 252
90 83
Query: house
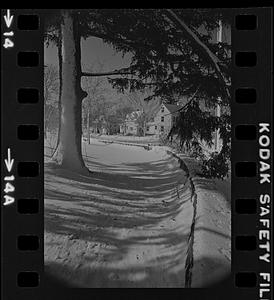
131 125
160 123
163 119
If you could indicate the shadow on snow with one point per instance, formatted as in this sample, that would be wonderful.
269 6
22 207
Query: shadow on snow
109 223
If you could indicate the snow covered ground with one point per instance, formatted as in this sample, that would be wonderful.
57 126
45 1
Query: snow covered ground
128 223
125 225
212 236
152 139
212 228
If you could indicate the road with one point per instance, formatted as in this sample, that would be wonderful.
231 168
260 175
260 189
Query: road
126 225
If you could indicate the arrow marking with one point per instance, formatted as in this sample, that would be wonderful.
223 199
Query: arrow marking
9 162
8 18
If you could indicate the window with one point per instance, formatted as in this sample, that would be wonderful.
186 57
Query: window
163 109
162 128
147 128
162 119
155 127
131 128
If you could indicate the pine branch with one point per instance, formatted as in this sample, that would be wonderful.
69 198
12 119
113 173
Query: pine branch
212 57
190 100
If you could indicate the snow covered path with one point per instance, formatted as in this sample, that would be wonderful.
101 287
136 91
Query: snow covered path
126 225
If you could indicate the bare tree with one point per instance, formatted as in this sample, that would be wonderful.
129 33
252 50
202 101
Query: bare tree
122 109
94 105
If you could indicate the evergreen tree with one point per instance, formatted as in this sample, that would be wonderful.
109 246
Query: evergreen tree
172 52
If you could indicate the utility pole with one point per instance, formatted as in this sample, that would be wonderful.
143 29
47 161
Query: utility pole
218 107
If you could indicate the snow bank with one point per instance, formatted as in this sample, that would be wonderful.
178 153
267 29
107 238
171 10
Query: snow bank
128 139
210 252
212 236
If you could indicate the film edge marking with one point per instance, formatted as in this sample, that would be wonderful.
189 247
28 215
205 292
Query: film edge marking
264 153
9 187
265 209
8 43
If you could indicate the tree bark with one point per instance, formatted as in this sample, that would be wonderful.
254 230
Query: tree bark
47 120
69 149
60 61
88 124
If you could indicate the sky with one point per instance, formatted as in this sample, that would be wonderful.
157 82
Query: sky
93 50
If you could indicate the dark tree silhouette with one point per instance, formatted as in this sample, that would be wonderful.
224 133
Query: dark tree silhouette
172 53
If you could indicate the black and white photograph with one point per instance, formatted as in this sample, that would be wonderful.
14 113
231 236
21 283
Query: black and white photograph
137 147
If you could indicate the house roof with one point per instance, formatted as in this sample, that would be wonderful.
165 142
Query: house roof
133 116
172 107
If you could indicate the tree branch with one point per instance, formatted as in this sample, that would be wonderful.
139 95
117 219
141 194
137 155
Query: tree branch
190 100
115 72
212 57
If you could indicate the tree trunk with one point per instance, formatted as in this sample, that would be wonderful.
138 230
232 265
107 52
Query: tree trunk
69 149
47 121
88 125
45 124
60 61
145 128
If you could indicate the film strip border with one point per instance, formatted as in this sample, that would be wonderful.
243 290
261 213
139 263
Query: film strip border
251 147
22 178
22 156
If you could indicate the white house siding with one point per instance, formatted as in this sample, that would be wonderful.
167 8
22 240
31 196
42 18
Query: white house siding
131 127
163 126
151 128
161 123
